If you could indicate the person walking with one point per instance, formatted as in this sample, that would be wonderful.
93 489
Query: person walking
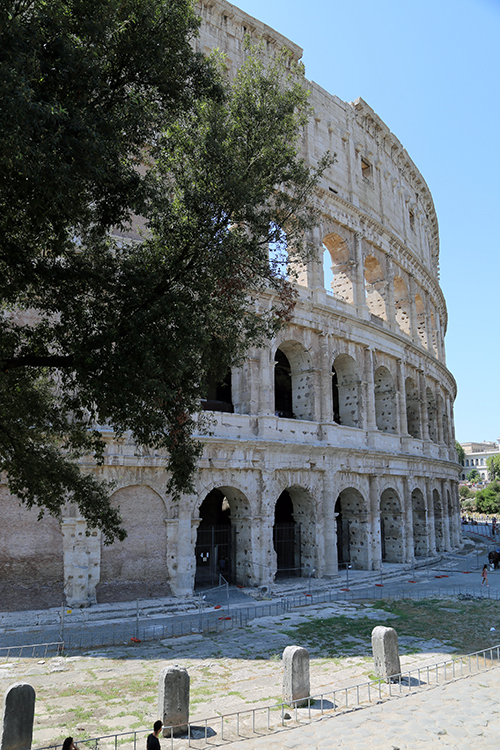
153 743
484 576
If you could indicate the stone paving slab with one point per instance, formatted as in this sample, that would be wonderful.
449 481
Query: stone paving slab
439 717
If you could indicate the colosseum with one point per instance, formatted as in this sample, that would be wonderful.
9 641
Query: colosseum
334 444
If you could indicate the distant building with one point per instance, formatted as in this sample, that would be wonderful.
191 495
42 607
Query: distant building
476 455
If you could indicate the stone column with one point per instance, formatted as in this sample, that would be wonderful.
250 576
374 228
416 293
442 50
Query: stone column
439 415
413 311
296 684
446 515
391 310
82 561
424 418
370 419
173 700
254 364
385 652
181 542
359 285
401 386
18 717
325 407
374 531
331 567
431 527
266 380
428 322
408 522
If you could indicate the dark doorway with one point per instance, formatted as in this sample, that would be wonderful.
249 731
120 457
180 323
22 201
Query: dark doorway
335 396
343 541
286 538
219 397
382 540
214 541
283 406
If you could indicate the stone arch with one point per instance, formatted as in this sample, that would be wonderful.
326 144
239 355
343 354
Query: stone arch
421 324
337 267
137 567
391 526
352 528
402 305
438 521
385 401
294 532
375 288
31 556
431 415
419 513
223 539
346 387
412 408
293 382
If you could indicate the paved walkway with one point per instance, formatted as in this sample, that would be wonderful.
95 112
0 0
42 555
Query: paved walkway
462 714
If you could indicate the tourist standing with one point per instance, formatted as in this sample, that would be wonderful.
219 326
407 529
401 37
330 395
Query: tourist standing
484 576
153 743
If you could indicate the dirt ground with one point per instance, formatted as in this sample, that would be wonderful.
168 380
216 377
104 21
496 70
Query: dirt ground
115 689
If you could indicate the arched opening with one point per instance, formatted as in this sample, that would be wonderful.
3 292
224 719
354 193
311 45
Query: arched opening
402 305
346 390
31 557
431 415
352 529
286 538
438 521
385 401
421 325
137 567
337 268
294 533
293 381
214 541
391 528
420 546
375 288
412 409
219 395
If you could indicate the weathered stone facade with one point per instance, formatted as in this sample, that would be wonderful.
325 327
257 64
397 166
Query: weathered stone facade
337 441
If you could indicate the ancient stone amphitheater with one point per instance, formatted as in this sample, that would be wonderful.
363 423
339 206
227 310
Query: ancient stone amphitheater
333 445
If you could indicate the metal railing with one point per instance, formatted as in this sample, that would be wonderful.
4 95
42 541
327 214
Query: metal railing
29 651
265 720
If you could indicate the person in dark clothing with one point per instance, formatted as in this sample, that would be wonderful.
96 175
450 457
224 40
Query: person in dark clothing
153 743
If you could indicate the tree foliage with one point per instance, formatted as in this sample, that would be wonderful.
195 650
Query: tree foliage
488 499
460 452
493 464
473 476
97 331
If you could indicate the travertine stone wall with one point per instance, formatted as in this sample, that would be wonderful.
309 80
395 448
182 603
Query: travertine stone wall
364 465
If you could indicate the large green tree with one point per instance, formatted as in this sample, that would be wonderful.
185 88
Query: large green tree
106 114
488 499
493 464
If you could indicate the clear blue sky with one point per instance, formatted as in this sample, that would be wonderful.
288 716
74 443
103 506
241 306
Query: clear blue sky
431 71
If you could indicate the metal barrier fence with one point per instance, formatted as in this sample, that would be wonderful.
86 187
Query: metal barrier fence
41 650
265 720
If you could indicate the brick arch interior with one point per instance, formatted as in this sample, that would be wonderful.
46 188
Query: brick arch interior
31 557
375 287
337 266
402 305
352 528
438 521
420 546
412 409
301 379
137 567
391 526
385 401
224 533
346 385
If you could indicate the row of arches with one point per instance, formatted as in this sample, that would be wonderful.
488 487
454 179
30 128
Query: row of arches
387 294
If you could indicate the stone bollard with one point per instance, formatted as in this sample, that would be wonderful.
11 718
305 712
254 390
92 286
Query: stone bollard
296 685
173 700
385 652
18 716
